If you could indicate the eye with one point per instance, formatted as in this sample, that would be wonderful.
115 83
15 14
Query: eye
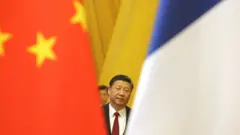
118 88
127 90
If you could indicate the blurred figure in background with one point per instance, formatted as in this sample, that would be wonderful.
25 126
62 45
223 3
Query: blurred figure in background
103 92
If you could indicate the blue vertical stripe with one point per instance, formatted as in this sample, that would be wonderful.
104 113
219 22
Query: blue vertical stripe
175 15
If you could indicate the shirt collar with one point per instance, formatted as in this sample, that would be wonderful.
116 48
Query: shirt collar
122 112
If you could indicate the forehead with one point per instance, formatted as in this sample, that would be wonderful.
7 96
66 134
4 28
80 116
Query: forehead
103 91
121 83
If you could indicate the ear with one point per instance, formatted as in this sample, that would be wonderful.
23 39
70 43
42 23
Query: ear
109 90
129 96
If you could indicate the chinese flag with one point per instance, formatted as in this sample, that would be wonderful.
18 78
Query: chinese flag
47 79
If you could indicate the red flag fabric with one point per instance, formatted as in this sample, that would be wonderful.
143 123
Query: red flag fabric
47 78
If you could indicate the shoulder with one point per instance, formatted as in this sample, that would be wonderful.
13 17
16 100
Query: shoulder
106 107
128 109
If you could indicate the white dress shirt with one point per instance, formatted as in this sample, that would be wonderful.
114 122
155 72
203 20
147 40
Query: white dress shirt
121 119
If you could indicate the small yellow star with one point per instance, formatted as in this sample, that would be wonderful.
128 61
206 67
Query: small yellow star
3 38
80 16
43 49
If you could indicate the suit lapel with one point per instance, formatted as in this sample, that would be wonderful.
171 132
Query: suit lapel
128 114
107 119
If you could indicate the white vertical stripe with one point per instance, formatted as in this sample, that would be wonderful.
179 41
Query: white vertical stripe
191 86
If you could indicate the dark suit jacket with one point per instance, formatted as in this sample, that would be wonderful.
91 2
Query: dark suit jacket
107 119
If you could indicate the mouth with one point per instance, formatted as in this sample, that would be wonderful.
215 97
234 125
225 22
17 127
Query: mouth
121 99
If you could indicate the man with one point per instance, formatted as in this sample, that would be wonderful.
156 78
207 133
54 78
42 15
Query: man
103 92
117 112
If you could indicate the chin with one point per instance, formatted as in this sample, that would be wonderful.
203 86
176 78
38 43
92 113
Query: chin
121 103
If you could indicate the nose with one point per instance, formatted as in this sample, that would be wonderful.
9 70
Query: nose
121 92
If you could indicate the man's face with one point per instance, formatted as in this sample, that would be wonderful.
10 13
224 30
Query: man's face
103 96
120 93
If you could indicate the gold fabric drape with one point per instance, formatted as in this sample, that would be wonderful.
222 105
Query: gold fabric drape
101 17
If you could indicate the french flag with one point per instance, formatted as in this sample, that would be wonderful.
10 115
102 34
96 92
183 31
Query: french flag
190 81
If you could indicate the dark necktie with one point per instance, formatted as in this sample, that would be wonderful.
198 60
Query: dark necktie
115 130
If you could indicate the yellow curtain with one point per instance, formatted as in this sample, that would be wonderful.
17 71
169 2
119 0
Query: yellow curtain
120 31
101 18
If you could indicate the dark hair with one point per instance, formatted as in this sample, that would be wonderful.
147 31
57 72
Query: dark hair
102 87
121 78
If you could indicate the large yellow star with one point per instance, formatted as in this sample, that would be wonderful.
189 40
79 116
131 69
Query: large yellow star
3 38
80 16
43 49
